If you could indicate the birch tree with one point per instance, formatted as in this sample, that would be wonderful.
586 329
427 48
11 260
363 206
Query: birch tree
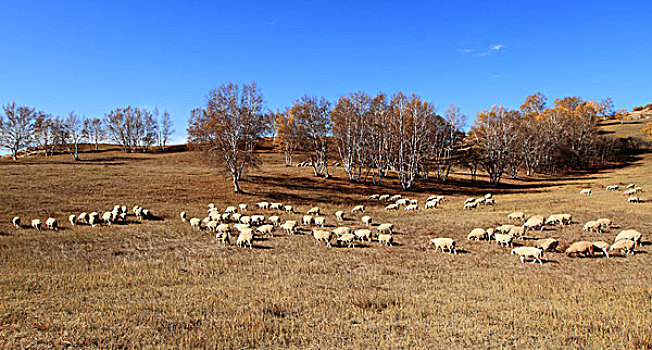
312 115
16 128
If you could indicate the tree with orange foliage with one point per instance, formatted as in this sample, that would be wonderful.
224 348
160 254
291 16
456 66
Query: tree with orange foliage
229 127
648 130
312 116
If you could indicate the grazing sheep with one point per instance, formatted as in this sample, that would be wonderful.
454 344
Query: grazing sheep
231 209
339 231
183 216
358 209
624 245
314 210
212 225
274 220
392 207
633 199
384 197
16 221
489 201
534 223
629 193
546 244
432 204
503 239
363 234
580 248
387 239
322 235
276 206
83 217
554 219
374 196
223 236
196 223
385 228
490 233
604 222
629 234
288 209
411 207
431 198
262 205
517 215
215 215
245 219
289 227
225 217
339 215
257 219
93 218
414 201
505 228
404 201
223 228
235 217
266 230
477 234
108 218
36 223
481 200
395 197
470 205
517 231
528 252
444 243
306 220
585 192
123 217
320 221
245 237
566 219
603 246
366 220
613 188
242 207
592 226
146 214
346 238
206 220
469 200
52 224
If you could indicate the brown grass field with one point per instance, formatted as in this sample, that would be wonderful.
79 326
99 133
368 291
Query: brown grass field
161 284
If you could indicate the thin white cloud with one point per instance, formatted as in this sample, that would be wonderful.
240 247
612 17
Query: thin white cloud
466 50
272 22
497 47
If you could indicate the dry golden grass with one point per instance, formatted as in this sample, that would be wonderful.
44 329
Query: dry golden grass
160 284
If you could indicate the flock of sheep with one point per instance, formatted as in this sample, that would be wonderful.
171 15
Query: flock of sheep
630 192
234 219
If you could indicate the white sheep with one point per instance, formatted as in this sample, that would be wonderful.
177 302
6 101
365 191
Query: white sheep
346 238
235 217
432 204
107 218
36 223
487 196
341 230
339 215
469 200
242 207
625 245
395 197
534 222
357 209
16 221
223 236
387 239
629 192
613 188
444 243
580 248
517 231
314 210
505 228
320 221
374 196
146 214
246 219
94 218
503 239
431 198
517 215
183 216
603 246
212 225
385 228
528 252
83 217
276 206
257 219
245 237
384 197
411 207
554 219
307 220
633 199
403 201
470 205
262 205
363 234
322 236
477 234
231 209
629 234
392 207
289 209
195 222
223 228
604 222
366 220
241 227
547 244
489 201
215 215
274 220
585 192
52 224
566 219
266 230
592 226
289 227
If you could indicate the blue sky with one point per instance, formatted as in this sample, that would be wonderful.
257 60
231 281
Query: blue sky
93 56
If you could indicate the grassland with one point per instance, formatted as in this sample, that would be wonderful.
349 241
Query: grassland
160 284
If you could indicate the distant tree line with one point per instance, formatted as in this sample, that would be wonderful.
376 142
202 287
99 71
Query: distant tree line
133 129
